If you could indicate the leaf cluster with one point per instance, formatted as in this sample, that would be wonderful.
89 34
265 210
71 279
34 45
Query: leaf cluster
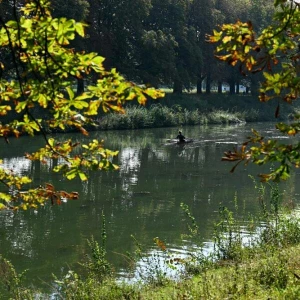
274 53
37 95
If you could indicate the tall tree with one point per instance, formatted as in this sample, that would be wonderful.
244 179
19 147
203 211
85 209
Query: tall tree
74 9
170 18
203 16
116 30
157 58
79 11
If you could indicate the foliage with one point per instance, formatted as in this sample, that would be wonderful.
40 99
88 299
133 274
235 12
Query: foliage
193 227
37 93
12 282
262 277
275 53
74 9
192 109
97 265
72 286
158 57
160 42
169 53
228 240
151 268
156 42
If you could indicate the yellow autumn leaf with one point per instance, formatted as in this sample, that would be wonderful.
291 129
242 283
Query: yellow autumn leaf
2 206
226 39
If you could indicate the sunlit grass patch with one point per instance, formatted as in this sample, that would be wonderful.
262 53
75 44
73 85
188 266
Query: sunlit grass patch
163 116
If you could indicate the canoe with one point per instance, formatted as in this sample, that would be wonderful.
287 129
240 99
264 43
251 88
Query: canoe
176 142
186 141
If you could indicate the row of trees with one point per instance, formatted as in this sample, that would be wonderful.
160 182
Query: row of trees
162 42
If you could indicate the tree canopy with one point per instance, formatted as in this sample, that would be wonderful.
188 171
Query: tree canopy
38 70
275 53
161 42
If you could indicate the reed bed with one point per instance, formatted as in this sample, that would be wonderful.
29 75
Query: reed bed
163 116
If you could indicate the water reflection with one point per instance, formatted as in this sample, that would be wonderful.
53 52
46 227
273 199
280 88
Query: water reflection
141 199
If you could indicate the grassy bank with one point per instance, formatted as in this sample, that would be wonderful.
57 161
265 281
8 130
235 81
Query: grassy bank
191 109
266 275
264 264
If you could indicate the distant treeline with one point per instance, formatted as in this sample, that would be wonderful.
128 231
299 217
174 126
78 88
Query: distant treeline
161 42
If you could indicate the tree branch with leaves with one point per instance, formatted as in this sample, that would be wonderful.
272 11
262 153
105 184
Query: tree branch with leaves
275 52
36 97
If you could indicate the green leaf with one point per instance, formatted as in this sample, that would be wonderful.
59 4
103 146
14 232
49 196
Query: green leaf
98 60
71 174
51 142
2 206
82 176
12 24
79 27
5 197
226 39
70 92
21 106
42 100
80 104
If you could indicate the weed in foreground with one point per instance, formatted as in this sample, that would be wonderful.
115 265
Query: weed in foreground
11 283
97 264
153 268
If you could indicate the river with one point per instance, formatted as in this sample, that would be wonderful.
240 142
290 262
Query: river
141 199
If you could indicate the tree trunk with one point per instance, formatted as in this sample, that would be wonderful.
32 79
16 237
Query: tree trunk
254 87
177 88
199 85
231 87
237 87
80 86
219 87
208 84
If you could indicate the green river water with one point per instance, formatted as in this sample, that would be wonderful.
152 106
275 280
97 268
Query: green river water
141 199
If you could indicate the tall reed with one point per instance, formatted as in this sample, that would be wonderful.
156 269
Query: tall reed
162 116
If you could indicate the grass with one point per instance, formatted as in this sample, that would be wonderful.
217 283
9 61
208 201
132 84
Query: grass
158 115
192 109
161 116
264 276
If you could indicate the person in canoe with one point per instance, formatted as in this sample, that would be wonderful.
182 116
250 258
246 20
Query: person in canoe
180 137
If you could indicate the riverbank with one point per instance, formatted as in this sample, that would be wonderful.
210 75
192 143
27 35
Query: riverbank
264 264
272 275
191 109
